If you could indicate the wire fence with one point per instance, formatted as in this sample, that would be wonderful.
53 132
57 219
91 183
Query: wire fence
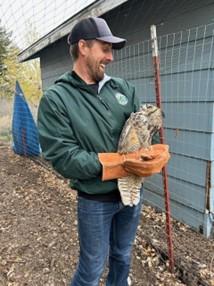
37 18
186 67
6 116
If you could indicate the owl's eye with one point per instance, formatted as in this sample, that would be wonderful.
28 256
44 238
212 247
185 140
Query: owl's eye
149 106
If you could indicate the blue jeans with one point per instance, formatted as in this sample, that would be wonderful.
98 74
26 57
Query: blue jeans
106 230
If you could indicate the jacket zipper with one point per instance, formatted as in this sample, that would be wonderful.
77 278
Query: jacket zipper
102 101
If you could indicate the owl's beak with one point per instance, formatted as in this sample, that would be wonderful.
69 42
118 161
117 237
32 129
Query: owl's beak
163 114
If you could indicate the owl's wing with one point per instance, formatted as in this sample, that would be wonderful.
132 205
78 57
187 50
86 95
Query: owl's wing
130 186
129 140
124 134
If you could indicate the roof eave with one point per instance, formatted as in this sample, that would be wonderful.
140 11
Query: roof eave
98 8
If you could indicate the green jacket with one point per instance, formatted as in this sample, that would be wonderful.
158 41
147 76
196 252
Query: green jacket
75 124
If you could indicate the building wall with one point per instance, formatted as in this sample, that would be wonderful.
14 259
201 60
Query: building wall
54 60
132 21
189 111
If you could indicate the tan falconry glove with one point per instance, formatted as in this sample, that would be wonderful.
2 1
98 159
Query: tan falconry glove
143 163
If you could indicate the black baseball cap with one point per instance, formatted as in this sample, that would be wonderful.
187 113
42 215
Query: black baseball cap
94 28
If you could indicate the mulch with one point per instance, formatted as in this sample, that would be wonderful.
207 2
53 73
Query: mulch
38 234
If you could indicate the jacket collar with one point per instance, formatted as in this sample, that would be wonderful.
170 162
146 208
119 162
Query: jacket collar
103 81
73 79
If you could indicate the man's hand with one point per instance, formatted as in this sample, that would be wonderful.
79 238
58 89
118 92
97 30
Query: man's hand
146 166
144 162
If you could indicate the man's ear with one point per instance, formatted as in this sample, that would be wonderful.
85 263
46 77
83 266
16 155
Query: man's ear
83 47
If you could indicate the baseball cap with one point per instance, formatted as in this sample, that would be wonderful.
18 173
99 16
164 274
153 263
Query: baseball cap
94 28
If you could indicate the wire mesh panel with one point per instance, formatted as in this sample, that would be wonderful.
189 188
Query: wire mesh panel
24 130
35 19
186 67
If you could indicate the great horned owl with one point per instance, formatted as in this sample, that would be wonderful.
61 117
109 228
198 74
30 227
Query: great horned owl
137 132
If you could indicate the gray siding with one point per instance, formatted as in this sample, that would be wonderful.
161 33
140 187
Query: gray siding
132 21
55 60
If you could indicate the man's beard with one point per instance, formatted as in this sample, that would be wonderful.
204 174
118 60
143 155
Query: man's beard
95 72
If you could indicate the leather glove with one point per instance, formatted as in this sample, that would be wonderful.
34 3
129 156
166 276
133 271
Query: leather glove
147 167
144 162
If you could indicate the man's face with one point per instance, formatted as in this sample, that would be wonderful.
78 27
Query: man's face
97 56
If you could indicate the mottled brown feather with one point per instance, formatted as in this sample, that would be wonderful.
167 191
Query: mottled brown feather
137 132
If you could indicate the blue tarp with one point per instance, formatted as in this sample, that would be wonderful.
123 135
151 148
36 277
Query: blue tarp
24 129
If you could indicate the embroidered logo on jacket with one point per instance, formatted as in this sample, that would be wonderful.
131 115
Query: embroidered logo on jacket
121 98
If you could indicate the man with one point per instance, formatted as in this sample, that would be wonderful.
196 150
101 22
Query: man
80 120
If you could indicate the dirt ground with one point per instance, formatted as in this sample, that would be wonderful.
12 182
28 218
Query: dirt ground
38 234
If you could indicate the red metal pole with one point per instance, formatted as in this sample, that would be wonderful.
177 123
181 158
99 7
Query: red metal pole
156 64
